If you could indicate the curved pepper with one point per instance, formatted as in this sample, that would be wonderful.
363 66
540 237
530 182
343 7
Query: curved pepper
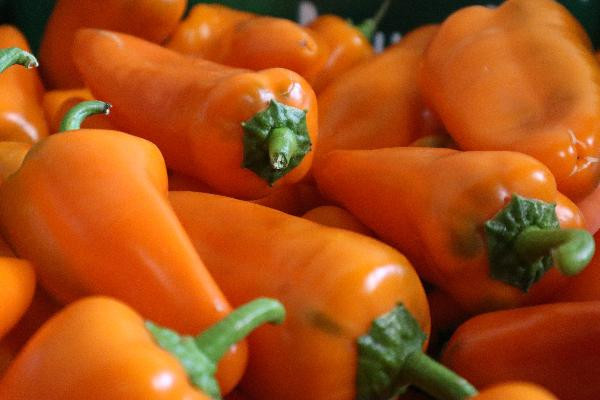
99 348
377 104
152 20
482 226
520 77
235 130
89 209
57 103
21 114
553 345
349 299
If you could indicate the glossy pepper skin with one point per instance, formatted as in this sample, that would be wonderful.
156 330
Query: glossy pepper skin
332 282
21 114
89 209
531 86
193 109
99 348
553 345
377 104
152 20
432 204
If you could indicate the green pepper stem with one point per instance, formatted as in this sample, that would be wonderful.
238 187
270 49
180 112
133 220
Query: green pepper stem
282 146
435 379
14 55
571 249
76 115
369 26
216 340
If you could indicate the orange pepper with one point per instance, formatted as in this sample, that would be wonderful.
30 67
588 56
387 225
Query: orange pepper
338 288
377 104
21 114
57 103
337 217
514 391
293 199
552 345
42 307
17 285
319 52
458 218
520 77
99 348
193 110
89 209
152 20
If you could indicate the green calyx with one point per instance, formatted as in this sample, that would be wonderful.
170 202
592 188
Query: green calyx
275 141
525 239
199 355
390 358
76 115
14 55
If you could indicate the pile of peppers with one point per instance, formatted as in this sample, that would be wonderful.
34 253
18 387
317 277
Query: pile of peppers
203 202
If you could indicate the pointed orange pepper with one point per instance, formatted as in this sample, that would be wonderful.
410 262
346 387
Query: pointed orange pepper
100 349
89 209
552 345
153 20
17 285
238 131
482 226
21 114
377 104
520 77
357 315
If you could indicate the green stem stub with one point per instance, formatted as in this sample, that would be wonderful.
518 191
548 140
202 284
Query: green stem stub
200 355
390 357
502 233
14 55
275 141
382 353
76 115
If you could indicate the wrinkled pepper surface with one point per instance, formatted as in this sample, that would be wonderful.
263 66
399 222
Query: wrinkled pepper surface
520 77
467 220
99 348
339 289
238 131
152 20
89 209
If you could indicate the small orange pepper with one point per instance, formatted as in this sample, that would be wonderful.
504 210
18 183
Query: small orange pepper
152 20
514 391
17 285
465 219
89 209
520 77
100 349
21 114
339 288
552 345
238 131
